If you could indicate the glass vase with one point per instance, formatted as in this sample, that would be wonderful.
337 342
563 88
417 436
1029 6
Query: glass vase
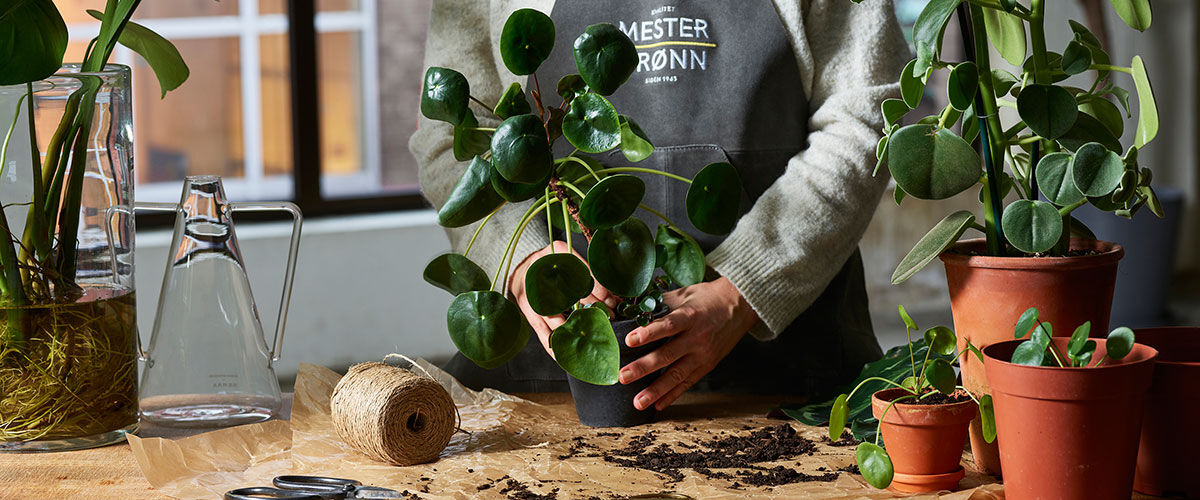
68 334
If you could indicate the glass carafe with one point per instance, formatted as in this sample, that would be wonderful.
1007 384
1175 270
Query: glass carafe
208 364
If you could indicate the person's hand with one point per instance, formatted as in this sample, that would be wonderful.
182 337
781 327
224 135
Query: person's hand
543 325
705 322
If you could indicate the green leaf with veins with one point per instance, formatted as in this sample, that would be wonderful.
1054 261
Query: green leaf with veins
937 240
1026 322
591 124
635 145
444 95
622 257
1048 110
611 201
1054 179
682 258
1096 170
1007 33
874 464
556 282
1147 126
893 110
526 41
486 328
940 375
911 86
604 57
469 142
927 32
586 347
941 340
1119 343
520 151
714 199
512 102
1029 353
35 38
932 163
962 85
837 417
472 198
456 274
1031 226
162 56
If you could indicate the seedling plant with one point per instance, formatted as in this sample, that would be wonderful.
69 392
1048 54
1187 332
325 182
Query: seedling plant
1040 351
936 376
514 163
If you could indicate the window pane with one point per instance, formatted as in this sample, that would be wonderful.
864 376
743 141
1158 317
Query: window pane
74 11
276 105
401 40
342 167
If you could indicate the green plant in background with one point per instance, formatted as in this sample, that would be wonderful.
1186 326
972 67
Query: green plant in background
936 376
1064 147
513 163
1040 351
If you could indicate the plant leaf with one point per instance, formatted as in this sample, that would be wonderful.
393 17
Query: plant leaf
162 56
1147 126
681 257
912 87
931 163
837 417
1007 34
908 321
586 347
1054 179
456 274
486 328
611 201
1029 353
940 375
444 95
591 124
893 110
622 257
526 41
936 241
1078 338
1076 58
714 199
941 340
1088 129
1026 322
1135 13
875 465
635 145
570 86
515 191
604 57
520 151
1104 111
1048 110
468 142
1096 170
512 102
1119 343
987 418
927 32
1032 226
962 85
556 282
473 197
35 38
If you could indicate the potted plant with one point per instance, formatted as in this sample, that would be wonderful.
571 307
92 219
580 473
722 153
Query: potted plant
923 420
68 336
1164 464
513 163
1061 154
1068 410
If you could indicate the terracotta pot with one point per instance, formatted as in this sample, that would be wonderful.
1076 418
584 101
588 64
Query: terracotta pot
988 294
612 405
1069 433
925 442
1166 462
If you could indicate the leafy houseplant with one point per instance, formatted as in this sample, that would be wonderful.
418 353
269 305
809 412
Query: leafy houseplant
68 340
1063 402
513 163
926 434
1061 152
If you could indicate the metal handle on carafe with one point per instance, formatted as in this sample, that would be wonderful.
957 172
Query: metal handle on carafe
124 209
293 249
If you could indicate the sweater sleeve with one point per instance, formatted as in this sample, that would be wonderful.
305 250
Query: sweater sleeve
801 231
460 39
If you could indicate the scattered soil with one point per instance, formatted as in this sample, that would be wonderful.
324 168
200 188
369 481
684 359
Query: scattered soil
846 439
780 475
852 469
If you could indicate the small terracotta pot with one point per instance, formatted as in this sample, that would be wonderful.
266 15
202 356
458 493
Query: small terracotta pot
1069 433
988 294
925 442
1166 457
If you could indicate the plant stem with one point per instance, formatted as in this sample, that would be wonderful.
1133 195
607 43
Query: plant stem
566 217
550 223
1109 67
615 170
571 157
512 240
480 228
990 130
481 129
36 217
485 106
659 214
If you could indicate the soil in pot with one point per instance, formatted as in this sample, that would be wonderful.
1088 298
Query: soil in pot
612 405
924 438
1166 464
1069 433
988 294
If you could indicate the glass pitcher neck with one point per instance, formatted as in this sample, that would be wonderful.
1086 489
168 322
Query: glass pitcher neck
204 223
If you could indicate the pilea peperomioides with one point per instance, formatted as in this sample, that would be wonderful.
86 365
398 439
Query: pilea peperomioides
514 163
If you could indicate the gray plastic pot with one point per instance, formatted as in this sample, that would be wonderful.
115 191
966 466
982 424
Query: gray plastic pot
612 405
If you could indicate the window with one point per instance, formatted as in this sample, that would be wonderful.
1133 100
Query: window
234 116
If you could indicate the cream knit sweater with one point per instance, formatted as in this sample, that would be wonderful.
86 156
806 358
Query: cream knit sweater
802 230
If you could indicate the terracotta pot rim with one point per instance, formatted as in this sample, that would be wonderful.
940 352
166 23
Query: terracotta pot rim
913 406
1146 352
1111 252
1190 364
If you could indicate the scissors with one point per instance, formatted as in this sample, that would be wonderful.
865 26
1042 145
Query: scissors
312 488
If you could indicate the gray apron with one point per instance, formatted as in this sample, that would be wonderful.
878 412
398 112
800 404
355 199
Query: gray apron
716 81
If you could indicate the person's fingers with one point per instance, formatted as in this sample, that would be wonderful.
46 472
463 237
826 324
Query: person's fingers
688 382
650 363
679 374
553 322
674 322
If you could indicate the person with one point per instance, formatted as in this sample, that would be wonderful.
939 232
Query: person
788 91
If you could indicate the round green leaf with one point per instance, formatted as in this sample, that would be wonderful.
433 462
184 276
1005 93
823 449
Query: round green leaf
473 197
1076 58
893 110
1048 110
469 142
987 417
1054 179
556 282
962 85
1041 334
874 464
1003 81
591 124
444 95
1107 113
605 57
911 86
512 102
679 256
837 417
456 274
1096 170
941 340
714 198
635 145
516 191
940 375
1078 338
937 240
1147 126
1084 356
586 347
1029 353
1088 129
570 86
35 38
520 151
1032 226
526 41
931 163
611 201
486 328
622 257
1026 322
1119 343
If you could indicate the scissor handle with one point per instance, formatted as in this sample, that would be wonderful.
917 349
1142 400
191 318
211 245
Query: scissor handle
316 483
293 249
259 492
129 211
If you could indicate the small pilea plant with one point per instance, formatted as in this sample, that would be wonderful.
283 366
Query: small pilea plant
936 376
1040 351
1064 146
514 163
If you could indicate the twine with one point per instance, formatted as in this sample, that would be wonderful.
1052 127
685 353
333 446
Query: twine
393 415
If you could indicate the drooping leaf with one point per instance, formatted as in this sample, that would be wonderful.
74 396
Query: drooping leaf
931 163
1119 343
622 257
970 125
570 86
941 340
927 32
837 417
604 57
1032 226
456 274
486 327
1048 110
874 464
35 38
526 41
1054 179
714 198
515 191
911 85
635 145
1076 58
469 142
680 256
893 110
987 418
1104 111
591 124
1147 126
940 375
586 347
520 151
555 282
1088 129
444 95
908 321
512 102
1029 353
162 56
1007 33
1096 170
1135 13
1026 322
611 201
962 85
936 241
472 198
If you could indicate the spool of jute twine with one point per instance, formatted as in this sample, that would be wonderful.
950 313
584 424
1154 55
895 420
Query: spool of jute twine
392 414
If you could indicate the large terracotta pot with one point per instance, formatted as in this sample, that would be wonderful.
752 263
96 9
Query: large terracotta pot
1069 433
925 442
1166 458
988 294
